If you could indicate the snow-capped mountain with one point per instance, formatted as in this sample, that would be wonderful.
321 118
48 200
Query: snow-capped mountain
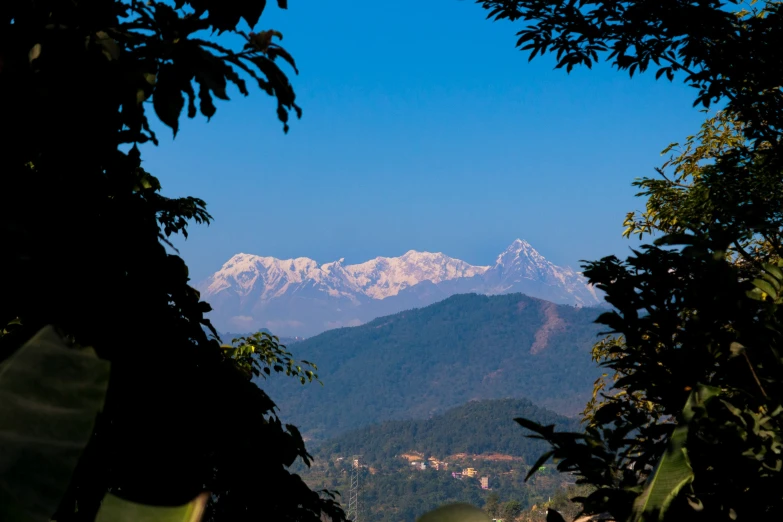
520 268
300 297
386 276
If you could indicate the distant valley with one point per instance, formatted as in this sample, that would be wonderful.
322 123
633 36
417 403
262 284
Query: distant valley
463 455
299 297
421 362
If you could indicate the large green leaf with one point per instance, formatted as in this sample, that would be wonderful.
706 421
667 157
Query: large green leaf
673 471
455 513
671 474
50 395
115 509
553 516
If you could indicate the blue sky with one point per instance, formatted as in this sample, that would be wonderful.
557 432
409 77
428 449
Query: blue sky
423 128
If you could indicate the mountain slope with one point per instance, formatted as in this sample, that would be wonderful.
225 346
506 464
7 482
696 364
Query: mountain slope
300 297
422 362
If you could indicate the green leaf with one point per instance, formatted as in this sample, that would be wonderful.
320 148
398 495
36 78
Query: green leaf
535 427
110 48
34 53
206 105
541 460
115 509
766 288
774 271
167 99
736 349
671 474
676 240
455 513
50 395
771 280
553 516
673 471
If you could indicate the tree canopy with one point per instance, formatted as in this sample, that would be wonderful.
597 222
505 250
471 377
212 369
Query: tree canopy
85 235
691 428
726 50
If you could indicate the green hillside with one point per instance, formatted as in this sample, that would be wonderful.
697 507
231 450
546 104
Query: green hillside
478 427
421 362
481 435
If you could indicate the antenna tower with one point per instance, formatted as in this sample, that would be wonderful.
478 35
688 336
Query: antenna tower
352 513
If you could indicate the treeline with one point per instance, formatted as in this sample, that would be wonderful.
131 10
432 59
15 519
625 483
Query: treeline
475 428
403 495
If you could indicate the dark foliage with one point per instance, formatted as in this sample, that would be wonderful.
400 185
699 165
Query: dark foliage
726 50
84 229
694 427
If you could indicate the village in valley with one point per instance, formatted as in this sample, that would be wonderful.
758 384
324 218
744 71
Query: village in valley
460 466
488 479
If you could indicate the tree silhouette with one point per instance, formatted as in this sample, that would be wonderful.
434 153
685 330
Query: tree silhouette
85 229
693 428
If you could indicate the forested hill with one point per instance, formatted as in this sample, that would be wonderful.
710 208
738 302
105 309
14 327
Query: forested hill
406 466
422 362
476 428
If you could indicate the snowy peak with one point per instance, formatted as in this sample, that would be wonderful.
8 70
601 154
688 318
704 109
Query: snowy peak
300 297
521 268
522 259
377 279
247 274
386 276
520 251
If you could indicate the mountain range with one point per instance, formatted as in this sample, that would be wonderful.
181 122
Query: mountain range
299 297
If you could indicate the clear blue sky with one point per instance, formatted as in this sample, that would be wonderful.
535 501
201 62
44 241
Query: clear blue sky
424 129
